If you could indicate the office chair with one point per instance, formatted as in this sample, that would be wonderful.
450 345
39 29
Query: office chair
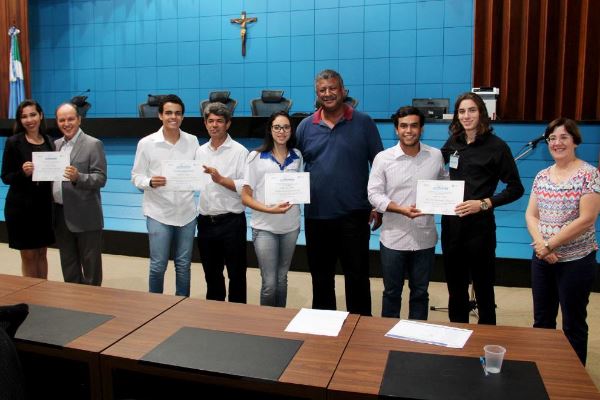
12 381
351 101
149 109
270 101
220 97
82 105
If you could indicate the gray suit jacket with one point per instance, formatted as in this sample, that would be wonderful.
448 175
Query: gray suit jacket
81 199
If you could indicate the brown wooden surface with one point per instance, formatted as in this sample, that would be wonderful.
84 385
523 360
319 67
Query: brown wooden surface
13 283
13 12
307 375
543 55
131 309
360 371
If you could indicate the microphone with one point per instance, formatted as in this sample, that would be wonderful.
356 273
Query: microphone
535 142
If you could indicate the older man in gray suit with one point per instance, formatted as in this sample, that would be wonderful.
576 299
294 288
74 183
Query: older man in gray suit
78 209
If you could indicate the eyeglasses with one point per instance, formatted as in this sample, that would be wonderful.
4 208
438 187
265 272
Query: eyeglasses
554 139
281 128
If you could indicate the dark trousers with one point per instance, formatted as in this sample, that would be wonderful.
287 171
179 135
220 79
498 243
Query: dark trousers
568 284
80 252
345 239
469 254
222 243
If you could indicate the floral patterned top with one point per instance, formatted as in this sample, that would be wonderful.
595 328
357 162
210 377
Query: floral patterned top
558 206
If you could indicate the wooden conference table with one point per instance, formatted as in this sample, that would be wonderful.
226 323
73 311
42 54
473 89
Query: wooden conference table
306 376
105 362
11 283
72 370
359 374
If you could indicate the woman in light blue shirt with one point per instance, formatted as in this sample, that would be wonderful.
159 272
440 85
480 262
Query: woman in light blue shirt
275 227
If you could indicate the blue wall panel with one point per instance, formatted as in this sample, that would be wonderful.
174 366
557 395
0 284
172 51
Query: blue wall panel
124 48
122 201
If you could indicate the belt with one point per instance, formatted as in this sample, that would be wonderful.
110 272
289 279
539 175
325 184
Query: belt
215 219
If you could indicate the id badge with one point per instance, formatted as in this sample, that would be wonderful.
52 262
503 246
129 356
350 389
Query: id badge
453 161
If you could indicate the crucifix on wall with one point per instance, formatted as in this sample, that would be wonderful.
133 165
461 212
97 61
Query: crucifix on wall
243 20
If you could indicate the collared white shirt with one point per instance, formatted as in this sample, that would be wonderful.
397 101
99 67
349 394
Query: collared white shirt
229 159
166 207
257 166
394 177
67 146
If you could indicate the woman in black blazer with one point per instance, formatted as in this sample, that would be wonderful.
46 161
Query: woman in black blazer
28 207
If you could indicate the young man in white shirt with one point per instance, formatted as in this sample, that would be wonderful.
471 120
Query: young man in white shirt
221 219
408 237
170 215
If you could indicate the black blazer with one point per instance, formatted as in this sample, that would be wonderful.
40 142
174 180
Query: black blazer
16 152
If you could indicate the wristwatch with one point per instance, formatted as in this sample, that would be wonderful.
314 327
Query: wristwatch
484 205
547 246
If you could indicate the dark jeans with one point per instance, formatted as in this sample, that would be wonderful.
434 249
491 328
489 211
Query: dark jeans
222 243
345 239
469 253
418 265
568 284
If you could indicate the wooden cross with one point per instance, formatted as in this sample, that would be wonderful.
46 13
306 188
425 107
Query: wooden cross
243 21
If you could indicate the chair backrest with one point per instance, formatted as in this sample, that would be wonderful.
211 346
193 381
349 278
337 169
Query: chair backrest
82 104
351 101
221 97
149 109
270 101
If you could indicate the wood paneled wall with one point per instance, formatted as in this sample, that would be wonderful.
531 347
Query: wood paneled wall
13 12
542 54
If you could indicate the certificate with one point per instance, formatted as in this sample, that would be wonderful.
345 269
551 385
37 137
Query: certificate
439 197
182 175
49 165
292 187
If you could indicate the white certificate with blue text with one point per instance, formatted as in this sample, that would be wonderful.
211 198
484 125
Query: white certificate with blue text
182 175
439 197
49 165
290 187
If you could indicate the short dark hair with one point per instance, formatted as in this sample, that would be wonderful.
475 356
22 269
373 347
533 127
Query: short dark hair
329 74
18 126
68 103
570 126
268 143
170 98
484 127
217 108
406 111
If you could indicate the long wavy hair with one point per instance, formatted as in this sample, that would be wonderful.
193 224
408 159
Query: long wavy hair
18 126
484 128
268 143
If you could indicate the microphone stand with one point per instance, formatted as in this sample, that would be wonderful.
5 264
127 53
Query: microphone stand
528 148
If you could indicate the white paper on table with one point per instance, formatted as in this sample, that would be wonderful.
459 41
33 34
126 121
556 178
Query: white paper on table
182 175
439 335
318 322
49 165
292 187
439 197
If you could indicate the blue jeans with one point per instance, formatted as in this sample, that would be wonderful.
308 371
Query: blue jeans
162 239
274 253
419 265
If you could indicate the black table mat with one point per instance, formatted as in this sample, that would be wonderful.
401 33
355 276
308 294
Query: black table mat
228 353
432 376
58 326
